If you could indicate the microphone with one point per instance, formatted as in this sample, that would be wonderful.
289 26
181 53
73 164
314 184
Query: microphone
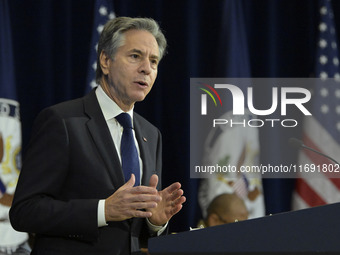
299 144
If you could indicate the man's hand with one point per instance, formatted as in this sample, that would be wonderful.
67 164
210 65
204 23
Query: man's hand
128 201
171 203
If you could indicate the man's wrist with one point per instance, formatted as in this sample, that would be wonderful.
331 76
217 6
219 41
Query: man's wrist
156 229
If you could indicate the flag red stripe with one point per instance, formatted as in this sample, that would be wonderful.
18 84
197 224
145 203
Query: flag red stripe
319 160
308 194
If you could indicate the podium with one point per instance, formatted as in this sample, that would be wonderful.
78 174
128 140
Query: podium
309 231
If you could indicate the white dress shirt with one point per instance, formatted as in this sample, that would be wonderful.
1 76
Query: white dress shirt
110 110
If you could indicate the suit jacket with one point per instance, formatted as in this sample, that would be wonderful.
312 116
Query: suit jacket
71 163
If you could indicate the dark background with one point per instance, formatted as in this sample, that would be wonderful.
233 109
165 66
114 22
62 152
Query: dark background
51 43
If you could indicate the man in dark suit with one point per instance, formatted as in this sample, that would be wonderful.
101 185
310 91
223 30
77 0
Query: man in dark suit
72 192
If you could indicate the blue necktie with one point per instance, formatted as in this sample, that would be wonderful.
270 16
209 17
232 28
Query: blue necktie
128 150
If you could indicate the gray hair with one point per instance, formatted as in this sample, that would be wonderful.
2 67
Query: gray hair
112 37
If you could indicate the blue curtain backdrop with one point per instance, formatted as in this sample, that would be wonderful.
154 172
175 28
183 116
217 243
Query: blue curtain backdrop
51 44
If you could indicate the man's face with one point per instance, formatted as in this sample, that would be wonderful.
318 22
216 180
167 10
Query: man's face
133 71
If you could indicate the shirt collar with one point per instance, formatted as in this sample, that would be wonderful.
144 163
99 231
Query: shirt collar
109 107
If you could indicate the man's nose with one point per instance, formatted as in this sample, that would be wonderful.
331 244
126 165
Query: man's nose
145 66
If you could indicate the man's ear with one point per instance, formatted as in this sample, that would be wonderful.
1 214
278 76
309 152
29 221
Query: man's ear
104 62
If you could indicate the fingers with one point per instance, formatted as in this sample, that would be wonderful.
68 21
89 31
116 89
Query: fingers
144 198
144 201
142 214
129 201
141 194
179 201
172 192
119 209
175 198
141 189
173 195
134 213
131 182
172 200
177 205
176 194
153 181
173 187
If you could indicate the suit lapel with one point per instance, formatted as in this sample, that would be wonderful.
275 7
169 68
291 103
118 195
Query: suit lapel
102 139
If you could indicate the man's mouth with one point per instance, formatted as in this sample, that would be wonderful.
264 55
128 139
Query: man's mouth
142 83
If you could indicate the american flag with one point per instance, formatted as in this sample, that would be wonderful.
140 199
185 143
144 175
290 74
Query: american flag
103 11
240 187
322 130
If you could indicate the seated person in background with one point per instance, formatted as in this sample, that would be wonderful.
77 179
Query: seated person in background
225 208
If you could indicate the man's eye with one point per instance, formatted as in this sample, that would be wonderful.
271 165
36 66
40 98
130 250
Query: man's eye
154 61
134 56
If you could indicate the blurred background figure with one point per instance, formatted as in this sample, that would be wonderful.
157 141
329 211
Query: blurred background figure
235 146
225 208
